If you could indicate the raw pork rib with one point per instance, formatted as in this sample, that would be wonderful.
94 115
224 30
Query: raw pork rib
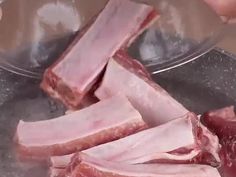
90 167
223 123
154 104
80 66
183 140
100 123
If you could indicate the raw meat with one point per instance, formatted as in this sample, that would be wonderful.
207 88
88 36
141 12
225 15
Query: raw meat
223 123
72 77
153 102
57 172
183 140
90 167
100 123
61 161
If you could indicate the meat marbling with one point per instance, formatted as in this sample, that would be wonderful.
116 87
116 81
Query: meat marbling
78 69
100 123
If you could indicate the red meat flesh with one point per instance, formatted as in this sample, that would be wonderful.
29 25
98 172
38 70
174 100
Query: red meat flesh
79 68
100 123
154 104
91 167
223 123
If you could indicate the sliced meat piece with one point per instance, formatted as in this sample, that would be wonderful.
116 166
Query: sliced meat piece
91 167
80 66
183 140
223 123
100 123
153 102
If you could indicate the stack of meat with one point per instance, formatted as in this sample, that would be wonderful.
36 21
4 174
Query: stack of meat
122 123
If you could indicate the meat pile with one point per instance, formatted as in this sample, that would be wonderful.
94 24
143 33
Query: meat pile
120 123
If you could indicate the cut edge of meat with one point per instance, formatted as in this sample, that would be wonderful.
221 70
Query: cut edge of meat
129 62
209 144
150 20
50 81
60 161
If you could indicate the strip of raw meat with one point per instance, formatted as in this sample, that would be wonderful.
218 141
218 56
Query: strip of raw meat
91 167
183 140
153 102
100 123
223 123
79 68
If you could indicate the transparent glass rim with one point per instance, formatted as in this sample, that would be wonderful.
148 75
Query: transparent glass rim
200 50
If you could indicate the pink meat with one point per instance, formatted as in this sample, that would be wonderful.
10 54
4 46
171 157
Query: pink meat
153 102
91 167
61 161
223 123
183 140
100 123
57 172
79 68
132 63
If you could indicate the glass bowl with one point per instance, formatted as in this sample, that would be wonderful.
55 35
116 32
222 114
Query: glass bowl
34 34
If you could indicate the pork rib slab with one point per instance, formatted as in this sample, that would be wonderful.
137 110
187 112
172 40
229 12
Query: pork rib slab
154 104
100 123
98 168
180 141
78 69
183 140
